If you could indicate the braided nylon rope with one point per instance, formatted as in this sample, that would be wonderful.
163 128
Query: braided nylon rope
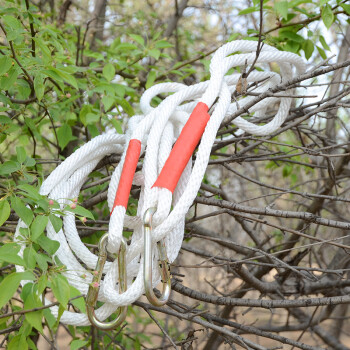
157 130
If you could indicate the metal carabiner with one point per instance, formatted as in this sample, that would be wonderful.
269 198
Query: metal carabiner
94 287
147 264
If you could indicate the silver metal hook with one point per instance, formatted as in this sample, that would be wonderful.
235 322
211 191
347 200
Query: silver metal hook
94 287
147 265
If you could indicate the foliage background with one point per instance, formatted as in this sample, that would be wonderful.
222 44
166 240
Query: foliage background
70 70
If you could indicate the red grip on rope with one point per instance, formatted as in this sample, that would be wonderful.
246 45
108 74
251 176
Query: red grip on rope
127 175
183 148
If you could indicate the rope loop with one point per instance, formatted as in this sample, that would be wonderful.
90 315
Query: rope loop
167 136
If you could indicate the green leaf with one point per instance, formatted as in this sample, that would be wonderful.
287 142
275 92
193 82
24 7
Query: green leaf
117 125
25 232
107 102
26 329
321 52
233 36
31 125
83 112
56 222
15 34
38 226
64 135
49 245
286 171
60 289
29 162
59 315
155 53
77 344
78 210
31 344
324 44
119 89
34 318
30 191
42 50
7 82
108 71
10 283
29 257
150 79
281 8
18 342
247 11
5 119
327 16
91 118
163 44
138 38
80 302
126 107
125 47
9 167
5 210
22 211
5 64
346 8
293 36
21 154
49 318
42 261
12 22
9 253
39 86
42 283
54 76
137 344
93 130
63 76
88 117
68 77
292 46
308 47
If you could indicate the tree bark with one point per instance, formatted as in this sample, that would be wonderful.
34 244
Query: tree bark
98 22
172 22
334 88
63 12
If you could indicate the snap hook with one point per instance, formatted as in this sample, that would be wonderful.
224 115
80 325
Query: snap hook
94 287
147 265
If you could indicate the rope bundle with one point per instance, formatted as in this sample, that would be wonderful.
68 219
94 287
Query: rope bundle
169 181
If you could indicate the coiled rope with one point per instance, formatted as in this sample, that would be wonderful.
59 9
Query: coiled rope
169 181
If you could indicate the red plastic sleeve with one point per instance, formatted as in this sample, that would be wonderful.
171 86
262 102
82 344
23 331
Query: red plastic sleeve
127 175
183 148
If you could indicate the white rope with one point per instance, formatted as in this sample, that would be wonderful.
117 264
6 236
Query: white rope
157 129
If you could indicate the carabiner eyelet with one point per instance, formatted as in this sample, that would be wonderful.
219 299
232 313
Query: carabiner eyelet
94 287
147 265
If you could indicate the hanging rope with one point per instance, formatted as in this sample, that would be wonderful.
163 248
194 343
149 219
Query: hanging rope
168 180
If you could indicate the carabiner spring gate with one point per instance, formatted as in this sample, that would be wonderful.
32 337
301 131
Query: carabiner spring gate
147 265
94 287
